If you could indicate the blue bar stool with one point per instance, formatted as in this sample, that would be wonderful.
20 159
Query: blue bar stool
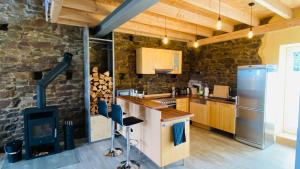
102 109
117 116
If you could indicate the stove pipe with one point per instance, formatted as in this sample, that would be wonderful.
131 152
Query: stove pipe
49 77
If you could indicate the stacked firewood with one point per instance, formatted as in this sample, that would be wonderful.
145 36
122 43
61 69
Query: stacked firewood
101 88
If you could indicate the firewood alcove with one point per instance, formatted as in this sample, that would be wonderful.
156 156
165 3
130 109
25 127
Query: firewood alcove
100 77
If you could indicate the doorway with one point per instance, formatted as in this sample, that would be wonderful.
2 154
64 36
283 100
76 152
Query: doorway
290 72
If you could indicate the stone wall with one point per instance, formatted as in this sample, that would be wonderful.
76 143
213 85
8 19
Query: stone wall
217 63
125 64
29 44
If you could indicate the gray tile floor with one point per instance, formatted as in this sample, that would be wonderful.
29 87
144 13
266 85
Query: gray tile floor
209 150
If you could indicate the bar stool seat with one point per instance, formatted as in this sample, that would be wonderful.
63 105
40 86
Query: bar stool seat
129 121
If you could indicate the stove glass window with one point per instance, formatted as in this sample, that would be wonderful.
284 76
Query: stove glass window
41 131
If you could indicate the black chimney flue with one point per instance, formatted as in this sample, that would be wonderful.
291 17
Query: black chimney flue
49 77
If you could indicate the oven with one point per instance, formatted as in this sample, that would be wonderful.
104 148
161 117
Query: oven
170 102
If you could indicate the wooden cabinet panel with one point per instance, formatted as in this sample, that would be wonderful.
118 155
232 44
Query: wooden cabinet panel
177 62
145 61
222 116
150 59
214 114
100 128
169 152
182 104
227 119
200 113
164 59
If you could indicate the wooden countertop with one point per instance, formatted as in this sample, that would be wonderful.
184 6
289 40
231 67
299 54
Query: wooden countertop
144 102
169 114
193 98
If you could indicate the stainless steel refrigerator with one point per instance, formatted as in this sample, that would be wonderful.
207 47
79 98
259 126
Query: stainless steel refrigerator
256 112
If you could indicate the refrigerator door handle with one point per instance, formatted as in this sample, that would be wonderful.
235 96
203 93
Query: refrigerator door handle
250 109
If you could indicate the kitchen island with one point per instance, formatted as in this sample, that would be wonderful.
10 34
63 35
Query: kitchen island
154 135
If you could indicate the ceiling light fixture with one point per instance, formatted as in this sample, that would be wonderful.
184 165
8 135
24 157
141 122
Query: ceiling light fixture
196 42
165 39
250 33
219 23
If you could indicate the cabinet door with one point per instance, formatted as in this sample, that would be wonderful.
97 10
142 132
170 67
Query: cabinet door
194 108
177 62
227 120
214 114
145 60
182 104
200 113
164 59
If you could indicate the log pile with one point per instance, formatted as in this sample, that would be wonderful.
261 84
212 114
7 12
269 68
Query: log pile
101 87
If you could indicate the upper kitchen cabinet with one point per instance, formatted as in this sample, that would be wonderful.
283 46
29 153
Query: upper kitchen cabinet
145 60
151 61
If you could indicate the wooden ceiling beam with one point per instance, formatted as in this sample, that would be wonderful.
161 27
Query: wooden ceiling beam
277 7
72 15
123 13
144 18
226 10
185 15
55 10
256 30
173 24
87 5
71 22
159 32
121 30
76 15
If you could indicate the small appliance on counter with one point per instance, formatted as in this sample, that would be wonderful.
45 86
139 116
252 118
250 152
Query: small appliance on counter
206 91
173 91
125 92
183 91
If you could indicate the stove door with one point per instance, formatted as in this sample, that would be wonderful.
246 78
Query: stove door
172 105
42 131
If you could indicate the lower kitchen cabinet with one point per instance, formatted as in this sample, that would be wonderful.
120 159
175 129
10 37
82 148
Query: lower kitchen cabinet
182 104
228 115
222 116
200 113
214 114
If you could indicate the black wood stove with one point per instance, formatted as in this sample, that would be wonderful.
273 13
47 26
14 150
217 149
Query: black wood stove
41 122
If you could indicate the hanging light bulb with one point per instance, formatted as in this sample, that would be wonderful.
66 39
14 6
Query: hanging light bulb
250 33
219 23
196 44
165 40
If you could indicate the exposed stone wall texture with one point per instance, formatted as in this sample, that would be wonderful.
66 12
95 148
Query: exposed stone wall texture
217 63
99 56
28 45
125 64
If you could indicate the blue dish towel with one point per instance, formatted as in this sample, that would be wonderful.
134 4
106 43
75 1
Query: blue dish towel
179 133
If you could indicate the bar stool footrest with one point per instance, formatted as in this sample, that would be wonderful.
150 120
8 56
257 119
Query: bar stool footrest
132 165
114 153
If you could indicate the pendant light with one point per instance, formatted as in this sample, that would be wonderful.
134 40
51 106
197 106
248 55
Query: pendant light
219 23
250 33
196 42
165 39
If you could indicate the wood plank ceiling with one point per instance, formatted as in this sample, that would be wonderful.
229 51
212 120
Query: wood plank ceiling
184 20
